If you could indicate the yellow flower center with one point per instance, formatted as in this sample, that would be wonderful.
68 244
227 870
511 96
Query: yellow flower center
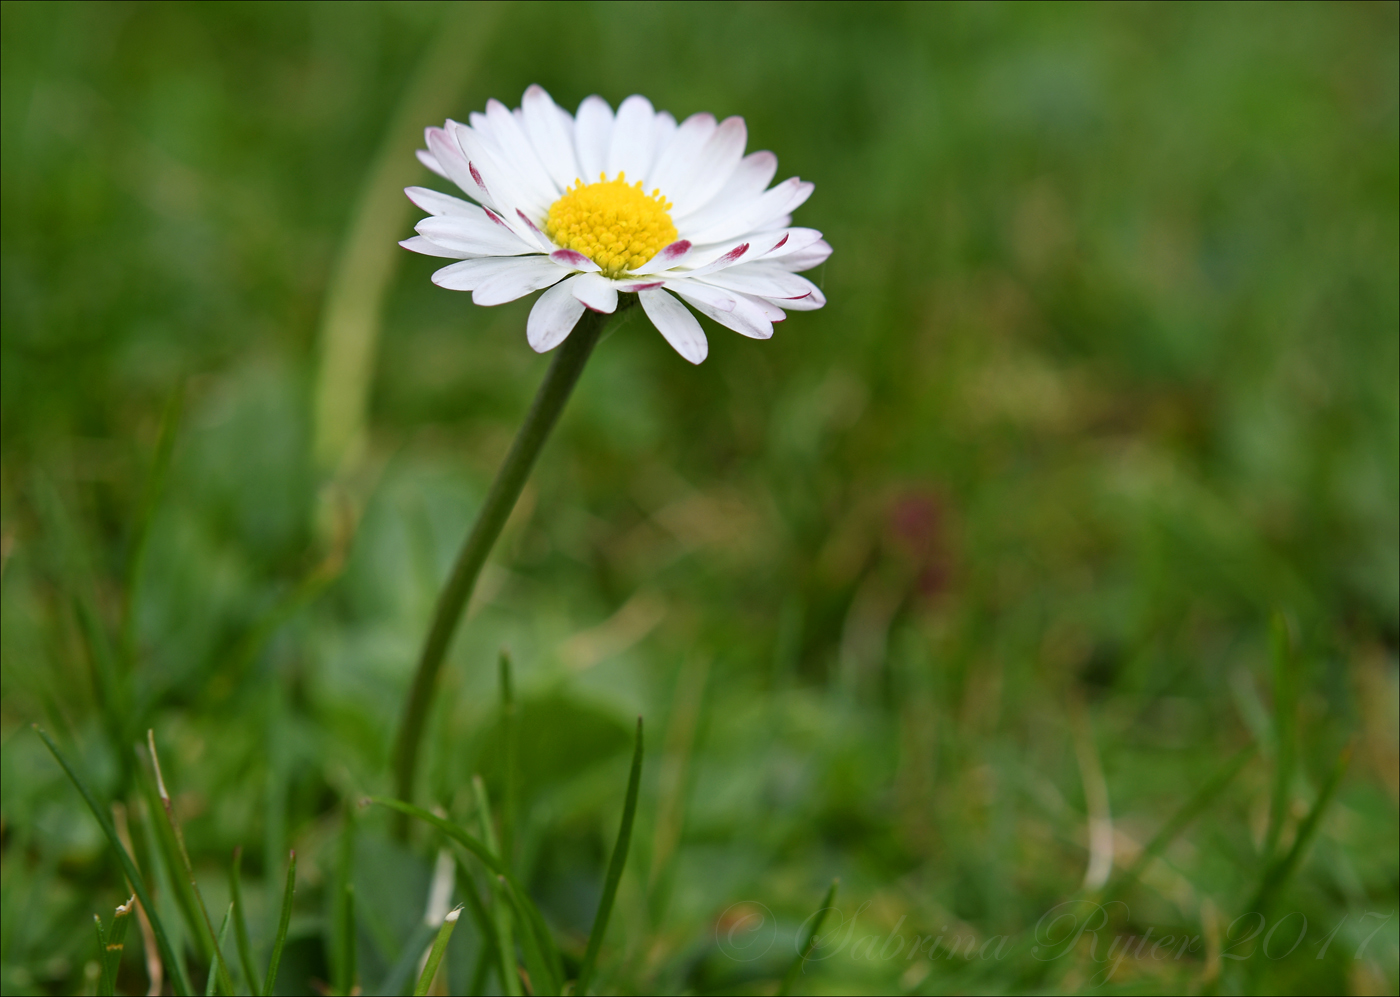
616 225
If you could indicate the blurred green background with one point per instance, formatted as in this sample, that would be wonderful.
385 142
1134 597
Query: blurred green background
983 552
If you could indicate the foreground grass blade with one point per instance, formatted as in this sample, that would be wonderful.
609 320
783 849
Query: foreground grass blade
430 968
1188 812
1277 875
343 920
490 947
217 967
1285 731
150 501
111 945
804 949
500 905
619 860
283 921
510 760
240 923
179 981
216 962
520 898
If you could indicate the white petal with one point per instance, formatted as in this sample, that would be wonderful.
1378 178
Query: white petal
592 136
418 244
574 260
715 165
670 256
770 311
753 174
519 153
715 297
530 274
676 162
762 279
595 291
674 321
481 237
430 161
662 134
633 135
742 315
436 203
551 132
471 274
753 216
552 319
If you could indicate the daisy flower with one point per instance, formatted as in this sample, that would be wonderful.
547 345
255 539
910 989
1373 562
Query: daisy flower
597 204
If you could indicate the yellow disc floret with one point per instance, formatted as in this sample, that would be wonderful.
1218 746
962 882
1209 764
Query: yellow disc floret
616 225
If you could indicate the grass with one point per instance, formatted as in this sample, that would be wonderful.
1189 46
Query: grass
1064 539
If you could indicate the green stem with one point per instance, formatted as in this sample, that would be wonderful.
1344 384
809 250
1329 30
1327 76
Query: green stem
510 479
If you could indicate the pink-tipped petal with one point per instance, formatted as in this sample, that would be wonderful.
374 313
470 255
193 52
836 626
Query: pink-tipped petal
670 256
574 260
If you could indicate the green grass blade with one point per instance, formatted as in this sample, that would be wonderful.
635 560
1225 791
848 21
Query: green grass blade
543 977
104 985
615 867
1285 733
283 921
521 897
343 914
1277 875
491 949
217 968
804 949
402 970
510 760
113 945
1189 811
212 940
430 968
178 980
150 500
500 906
76 578
240 923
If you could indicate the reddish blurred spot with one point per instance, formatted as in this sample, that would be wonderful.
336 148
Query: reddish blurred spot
918 534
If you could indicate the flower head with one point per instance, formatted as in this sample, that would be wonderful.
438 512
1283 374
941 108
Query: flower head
596 204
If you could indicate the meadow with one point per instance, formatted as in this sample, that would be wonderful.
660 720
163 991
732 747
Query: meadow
1043 588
